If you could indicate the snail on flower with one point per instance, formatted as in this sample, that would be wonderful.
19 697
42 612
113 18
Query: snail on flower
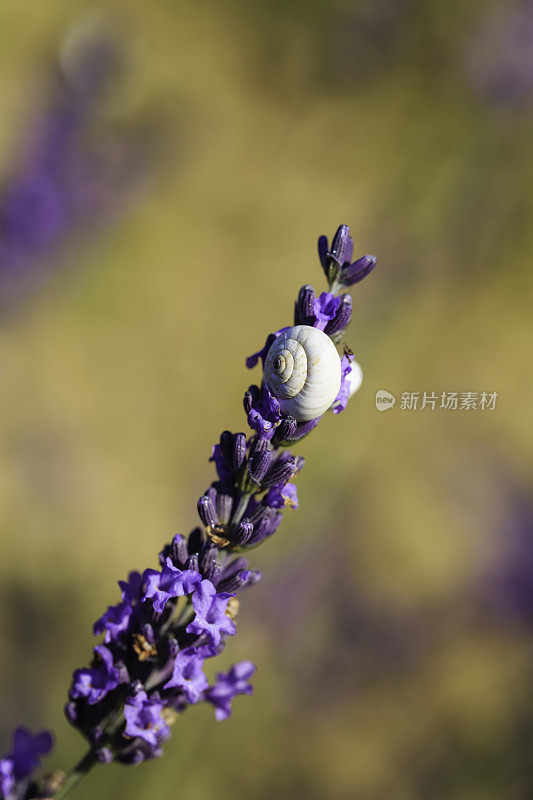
303 371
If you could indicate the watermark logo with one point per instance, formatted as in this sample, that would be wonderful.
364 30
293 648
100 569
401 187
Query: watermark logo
449 401
446 401
384 400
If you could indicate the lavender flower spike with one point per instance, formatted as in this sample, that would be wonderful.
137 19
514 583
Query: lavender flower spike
170 621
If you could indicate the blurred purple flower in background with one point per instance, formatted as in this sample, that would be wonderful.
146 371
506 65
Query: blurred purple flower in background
500 56
355 636
506 586
76 167
17 766
360 40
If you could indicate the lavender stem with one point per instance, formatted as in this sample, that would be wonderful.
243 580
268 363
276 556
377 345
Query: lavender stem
241 507
76 775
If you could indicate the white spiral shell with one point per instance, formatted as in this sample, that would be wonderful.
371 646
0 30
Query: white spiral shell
303 371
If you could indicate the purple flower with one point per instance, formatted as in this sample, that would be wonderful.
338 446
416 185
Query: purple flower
116 619
228 686
329 313
351 380
263 411
210 609
93 683
280 497
144 720
225 473
23 758
341 401
131 589
7 776
170 582
252 360
114 622
229 455
188 674
325 309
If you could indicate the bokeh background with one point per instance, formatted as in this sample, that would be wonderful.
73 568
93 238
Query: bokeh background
166 169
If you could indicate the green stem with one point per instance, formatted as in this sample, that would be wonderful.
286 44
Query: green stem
335 287
77 774
241 506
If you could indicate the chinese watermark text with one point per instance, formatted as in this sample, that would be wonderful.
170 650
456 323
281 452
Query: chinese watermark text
447 401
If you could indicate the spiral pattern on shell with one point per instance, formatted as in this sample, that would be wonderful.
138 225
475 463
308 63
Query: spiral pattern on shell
303 371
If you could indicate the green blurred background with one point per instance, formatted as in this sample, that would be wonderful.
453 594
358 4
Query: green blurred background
392 627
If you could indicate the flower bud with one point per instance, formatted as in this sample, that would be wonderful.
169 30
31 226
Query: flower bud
250 398
259 464
304 308
179 549
238 450
267 526
195 542
242 532
341 246
207 557
192 563
71 713
280 472
207 511
212 573
342 316
104 755
353 273
286 428
226 443
258 445
303 428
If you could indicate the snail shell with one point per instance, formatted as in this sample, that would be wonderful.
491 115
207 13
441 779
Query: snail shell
303 371
354 378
